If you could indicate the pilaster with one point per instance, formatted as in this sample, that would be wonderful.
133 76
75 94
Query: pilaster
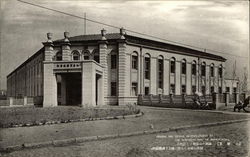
104 62
123 82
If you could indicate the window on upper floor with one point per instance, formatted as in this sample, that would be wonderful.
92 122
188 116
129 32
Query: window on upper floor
96 55
86 55
194 68
147 66
58 56
75 55
203 69
212 70
172 65
183 66
220 71
160 72
135 61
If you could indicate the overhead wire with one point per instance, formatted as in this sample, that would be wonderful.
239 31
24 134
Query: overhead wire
128 30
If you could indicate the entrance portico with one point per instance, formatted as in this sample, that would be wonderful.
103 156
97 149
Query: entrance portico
73 83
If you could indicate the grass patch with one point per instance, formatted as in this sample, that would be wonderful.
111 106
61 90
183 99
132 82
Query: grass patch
29 116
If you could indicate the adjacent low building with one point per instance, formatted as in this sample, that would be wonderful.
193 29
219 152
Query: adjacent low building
113 69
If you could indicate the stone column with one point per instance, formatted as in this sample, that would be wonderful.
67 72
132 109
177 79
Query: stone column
25 100
88 84
66 48
166 74
189 79
226 98
140 71
104 62
49 85
11 101
49 78
237 97
153 76
178 78
123 80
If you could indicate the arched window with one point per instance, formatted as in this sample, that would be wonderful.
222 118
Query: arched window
203 69
96 55
147 66
113 60
135 60
194 68
183 66
212 70
160 72
220 71
86 55
75 55
172 65
58 56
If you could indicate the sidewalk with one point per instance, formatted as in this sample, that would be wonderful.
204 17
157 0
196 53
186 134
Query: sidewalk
154 119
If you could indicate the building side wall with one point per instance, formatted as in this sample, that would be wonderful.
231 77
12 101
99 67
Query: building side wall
178 79
27 80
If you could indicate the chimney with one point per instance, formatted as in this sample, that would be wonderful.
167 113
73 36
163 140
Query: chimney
103 32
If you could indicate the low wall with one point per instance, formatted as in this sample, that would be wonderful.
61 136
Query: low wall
4 102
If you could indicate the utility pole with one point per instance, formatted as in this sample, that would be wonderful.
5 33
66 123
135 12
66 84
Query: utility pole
84 23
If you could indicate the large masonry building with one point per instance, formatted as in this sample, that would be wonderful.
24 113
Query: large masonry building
113 69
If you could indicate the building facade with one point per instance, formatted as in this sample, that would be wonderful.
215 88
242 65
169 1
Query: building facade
113 69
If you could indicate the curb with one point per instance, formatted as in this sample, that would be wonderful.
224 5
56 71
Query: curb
77 120
181 109
104 137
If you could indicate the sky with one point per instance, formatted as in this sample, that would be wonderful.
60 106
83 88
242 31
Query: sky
217 25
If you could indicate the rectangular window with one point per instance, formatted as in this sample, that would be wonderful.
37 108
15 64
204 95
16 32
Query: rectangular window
193 69
134 89
113 61
172 88
203 70
134 62
113 88
234 89
193 89
147 68
86 57
228 89
212 89
146 91
160 73
220 72
172 66
183 89
220 90
203 90
212 71
183 68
